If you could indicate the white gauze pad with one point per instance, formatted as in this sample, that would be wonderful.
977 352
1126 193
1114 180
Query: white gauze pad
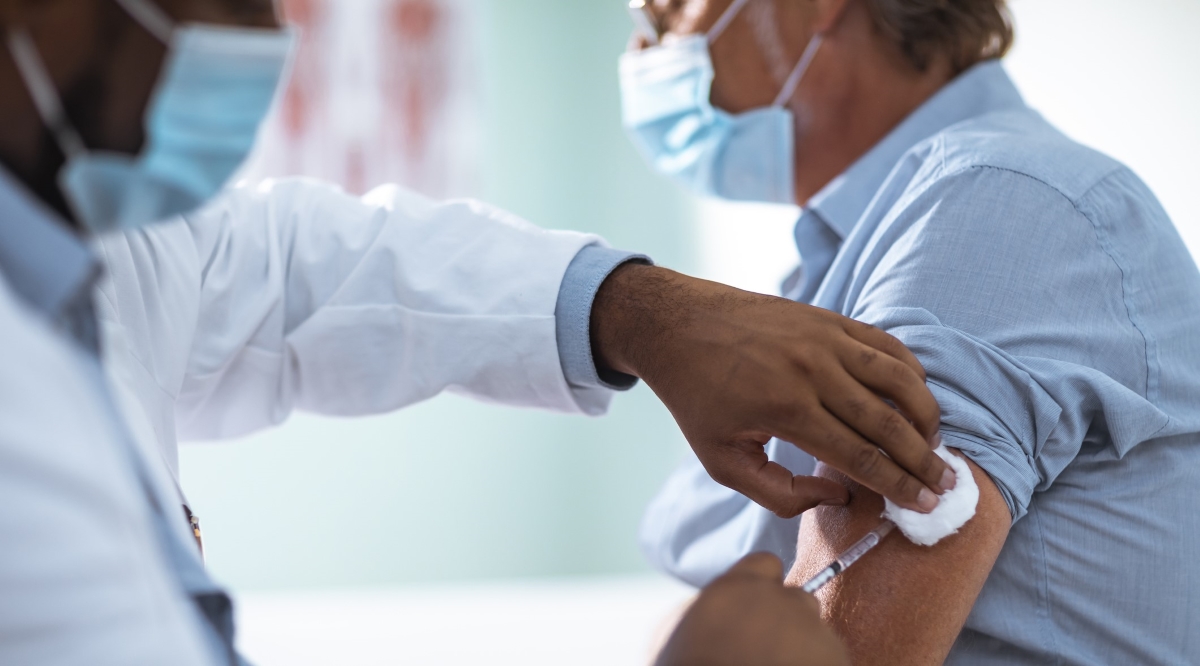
955 509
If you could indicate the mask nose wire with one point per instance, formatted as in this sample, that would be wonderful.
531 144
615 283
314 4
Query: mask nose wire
731 12
793 80
151 17
42 90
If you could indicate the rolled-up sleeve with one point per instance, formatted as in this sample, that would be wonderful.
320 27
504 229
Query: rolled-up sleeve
1005 293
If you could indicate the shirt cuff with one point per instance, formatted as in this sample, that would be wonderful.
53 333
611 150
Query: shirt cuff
573 317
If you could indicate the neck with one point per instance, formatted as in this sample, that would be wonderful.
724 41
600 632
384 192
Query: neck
865 90
27 150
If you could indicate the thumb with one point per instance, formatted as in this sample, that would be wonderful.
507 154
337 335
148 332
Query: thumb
772 485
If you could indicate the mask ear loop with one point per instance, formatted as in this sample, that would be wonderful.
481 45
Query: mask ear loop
789 87
151 17
730 13
42 90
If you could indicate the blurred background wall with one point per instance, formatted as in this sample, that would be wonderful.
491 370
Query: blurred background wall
453 490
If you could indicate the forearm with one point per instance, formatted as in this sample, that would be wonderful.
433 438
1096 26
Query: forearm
902 603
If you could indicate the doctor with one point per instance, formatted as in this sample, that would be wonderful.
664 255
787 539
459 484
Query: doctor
293 295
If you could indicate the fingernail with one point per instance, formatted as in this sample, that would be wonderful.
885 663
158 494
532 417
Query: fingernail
949 480
936 440
833 502
927 500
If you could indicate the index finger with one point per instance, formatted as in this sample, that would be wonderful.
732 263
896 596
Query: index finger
769 484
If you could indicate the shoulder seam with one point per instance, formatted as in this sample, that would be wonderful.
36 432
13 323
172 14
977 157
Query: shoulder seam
1073 201
1150 390
1149 345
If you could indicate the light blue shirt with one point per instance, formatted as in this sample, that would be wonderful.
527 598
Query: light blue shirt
1057 313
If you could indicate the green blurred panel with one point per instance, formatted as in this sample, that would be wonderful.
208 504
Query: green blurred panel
453 489
556 153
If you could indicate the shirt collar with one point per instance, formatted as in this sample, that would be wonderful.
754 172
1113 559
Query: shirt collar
982 89
42 261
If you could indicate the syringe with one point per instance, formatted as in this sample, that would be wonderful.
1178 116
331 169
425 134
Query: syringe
849 556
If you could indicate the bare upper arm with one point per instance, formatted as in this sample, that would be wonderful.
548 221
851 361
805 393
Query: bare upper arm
902 603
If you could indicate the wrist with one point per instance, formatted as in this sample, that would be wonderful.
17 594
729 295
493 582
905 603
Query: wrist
637 311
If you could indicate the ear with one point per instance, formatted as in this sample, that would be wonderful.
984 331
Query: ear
826 14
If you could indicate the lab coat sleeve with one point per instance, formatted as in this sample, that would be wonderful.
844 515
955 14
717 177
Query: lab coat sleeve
295 295
695 528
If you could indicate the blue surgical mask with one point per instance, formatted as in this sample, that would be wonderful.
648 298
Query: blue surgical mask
215 88
666 109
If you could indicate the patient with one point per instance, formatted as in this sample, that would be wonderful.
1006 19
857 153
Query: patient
1056 312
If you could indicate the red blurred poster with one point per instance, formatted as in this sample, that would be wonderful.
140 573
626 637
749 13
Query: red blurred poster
381 91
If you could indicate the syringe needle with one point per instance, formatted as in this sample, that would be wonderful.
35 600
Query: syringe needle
848 557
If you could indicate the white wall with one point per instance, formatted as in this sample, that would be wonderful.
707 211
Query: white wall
1122 77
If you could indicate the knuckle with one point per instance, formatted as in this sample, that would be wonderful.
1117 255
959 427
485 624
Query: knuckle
905 486
856 408
904 378
891 426
806 363
868 356
864 326
866 460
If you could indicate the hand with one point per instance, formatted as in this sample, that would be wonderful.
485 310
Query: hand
737 368
747 616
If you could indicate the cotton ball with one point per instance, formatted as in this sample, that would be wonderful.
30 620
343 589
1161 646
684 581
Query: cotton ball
953 511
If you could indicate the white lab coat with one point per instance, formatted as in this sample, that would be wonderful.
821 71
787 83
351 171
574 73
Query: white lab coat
295 295
289 295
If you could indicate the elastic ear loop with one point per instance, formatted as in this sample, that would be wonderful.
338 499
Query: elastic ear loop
151 17
730 13
793 80
41 88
